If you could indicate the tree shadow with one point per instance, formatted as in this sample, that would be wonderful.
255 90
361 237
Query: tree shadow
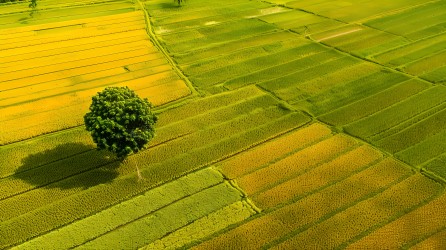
169 5
71 165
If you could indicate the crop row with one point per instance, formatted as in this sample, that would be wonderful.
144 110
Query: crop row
231 10
436 241
394 22
55 57
301 22
280 70
360 40
207 53
87 72
374 103
207 36
71 32
55 15
340 229
353 11
295 164
94 59
426 64
436 166
409 122
411 226
65 46
251 160
357 89
51 172
406 24
12 157
158 9
299 77
204 105
89 80
54 18
220 75
247 54
45 4
306 88
303 212
398 113
323 175
106 220
215 16
168 219
415 133
413 51
204 227
428 149
437 75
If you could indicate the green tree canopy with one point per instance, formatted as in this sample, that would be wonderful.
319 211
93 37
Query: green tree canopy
120 121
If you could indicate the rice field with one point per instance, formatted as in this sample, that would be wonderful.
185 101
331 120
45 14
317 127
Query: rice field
282 124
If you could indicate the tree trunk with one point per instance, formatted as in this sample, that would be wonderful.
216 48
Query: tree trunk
138 172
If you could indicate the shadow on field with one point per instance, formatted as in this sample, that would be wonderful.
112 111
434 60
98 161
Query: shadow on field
169 5
71 165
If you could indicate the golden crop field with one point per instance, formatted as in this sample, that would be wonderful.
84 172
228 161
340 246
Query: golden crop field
281 124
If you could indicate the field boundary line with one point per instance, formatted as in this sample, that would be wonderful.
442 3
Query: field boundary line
412 243
288 73
281 157
87 43
23 102
238 50
377 93
403 66
141 49
324 186
48 20
396 11
412 124
281 50
232 16
61 78
316 166
408 121
151 212
157 44
389 220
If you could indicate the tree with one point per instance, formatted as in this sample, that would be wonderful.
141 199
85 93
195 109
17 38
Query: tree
33 6
121 122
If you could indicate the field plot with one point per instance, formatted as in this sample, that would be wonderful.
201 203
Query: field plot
359 40
351 11
49 74
18 14
425 55
310 189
